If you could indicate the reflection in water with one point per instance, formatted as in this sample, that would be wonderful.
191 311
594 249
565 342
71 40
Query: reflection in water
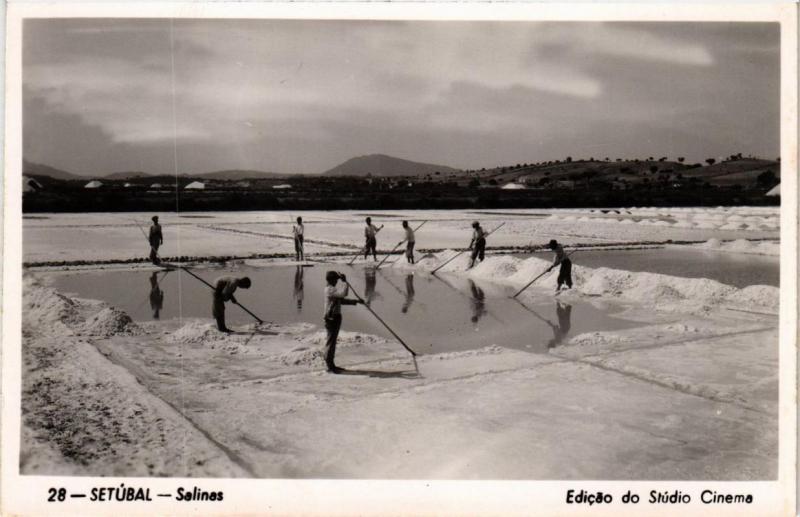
477 300
560 331
409 292
298 287
156 295
369 285
442 315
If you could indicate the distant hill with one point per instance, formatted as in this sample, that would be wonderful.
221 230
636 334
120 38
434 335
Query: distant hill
236 174
39 171
744 172
382 165
127 175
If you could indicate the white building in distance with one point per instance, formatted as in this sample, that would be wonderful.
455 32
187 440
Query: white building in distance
30 184
775 191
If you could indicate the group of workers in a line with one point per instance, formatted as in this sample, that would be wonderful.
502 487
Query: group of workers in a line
335 297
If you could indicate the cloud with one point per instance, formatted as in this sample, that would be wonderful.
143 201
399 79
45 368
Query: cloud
270 72
605 39
240 83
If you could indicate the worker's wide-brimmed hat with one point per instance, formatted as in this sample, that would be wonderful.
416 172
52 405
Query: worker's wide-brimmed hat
330 276
552 244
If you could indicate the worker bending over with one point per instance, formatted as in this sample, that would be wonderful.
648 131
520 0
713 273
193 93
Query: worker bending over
224 288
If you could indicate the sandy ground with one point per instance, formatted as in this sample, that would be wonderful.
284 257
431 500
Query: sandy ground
53 237
690 394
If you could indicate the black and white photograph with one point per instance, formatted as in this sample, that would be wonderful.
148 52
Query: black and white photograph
402 248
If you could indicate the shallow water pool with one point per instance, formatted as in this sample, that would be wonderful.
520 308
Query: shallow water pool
433 314
739 270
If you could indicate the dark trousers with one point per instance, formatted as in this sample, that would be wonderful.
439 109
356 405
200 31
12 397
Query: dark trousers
298 247
565 274
410 251
332 325
154 254
478 251
218 311
371 246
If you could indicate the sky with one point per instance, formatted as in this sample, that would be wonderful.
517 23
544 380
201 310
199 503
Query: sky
302 96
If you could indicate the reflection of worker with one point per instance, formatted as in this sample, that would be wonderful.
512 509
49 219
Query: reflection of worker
410 241
370 231
298 230
560 331
224 288
478 304
478 243
409 293
156 295
370 282
565 273
156 239
298 287
334 299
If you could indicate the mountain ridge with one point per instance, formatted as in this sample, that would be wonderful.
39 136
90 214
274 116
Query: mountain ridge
383 165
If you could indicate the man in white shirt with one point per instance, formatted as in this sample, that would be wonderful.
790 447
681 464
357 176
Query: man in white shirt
372 244
334 299
298 230
409 240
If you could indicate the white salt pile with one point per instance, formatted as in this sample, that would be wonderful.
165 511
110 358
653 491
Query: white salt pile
50 312
110 322
47 307
766 296
743 246
199 331
664 292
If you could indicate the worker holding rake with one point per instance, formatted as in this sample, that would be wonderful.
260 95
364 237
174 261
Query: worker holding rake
334 299
298 230
156 239
410 241
224 288
561 258
478 243
370 231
